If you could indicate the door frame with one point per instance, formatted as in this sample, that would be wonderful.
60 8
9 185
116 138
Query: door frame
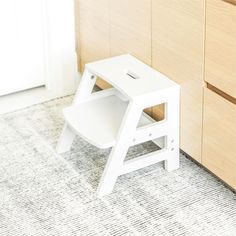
60 48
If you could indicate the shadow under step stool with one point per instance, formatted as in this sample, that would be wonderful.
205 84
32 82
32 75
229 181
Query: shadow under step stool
114 117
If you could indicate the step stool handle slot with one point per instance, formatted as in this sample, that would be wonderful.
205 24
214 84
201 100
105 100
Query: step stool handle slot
132 74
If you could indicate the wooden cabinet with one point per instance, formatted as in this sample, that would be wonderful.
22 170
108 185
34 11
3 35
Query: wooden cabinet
219 120
171 35
221 45
178 51
131 28
166 34
219 137
94 30
110 27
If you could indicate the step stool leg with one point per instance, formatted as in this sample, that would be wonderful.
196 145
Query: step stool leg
85 88
172 163
116 158
112 169
65 140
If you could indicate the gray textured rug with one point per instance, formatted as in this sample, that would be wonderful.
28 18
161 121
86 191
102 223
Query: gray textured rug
43 193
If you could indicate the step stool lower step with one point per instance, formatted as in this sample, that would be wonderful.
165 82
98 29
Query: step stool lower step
98 121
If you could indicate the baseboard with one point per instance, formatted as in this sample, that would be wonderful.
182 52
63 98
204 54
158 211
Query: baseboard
23 99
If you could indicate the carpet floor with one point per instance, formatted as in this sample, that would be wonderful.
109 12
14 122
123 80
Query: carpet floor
46 194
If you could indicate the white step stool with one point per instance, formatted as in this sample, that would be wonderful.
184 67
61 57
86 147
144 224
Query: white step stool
115 118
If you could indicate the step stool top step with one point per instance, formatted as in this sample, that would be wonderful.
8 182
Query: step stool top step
130 76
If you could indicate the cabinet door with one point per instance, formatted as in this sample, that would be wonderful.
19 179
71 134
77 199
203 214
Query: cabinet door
94 41
131 28
219 137
178 52
221 45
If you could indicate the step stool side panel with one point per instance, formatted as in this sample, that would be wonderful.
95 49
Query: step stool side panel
85 87
118 153
173 116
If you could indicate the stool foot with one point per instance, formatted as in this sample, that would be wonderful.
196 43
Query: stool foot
172 163
112 170
66 140
105 188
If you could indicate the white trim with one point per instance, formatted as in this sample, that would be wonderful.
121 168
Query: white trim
59 60
46 38
60 52
23 99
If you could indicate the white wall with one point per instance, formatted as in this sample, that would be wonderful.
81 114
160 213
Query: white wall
62 58
37 46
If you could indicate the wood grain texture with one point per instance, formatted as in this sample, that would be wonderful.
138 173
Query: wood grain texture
221 46
219 137
233 2
94 30
178 52
221 93
131 28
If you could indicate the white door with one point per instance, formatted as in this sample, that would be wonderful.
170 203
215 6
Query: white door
22 46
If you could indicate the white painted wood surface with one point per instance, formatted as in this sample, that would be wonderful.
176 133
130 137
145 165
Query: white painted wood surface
98 121
108 119
130 76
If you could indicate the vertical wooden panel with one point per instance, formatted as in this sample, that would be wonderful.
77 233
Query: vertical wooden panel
219 137
94 31
131 29
178 52
221 45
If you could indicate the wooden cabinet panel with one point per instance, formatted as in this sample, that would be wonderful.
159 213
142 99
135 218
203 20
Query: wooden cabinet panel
178 52
94 30
131 28
94 39
221 45
219 137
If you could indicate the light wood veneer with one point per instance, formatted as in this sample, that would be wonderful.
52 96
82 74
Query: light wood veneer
221 45
178 51
131 28
170 36
94 31
219 137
